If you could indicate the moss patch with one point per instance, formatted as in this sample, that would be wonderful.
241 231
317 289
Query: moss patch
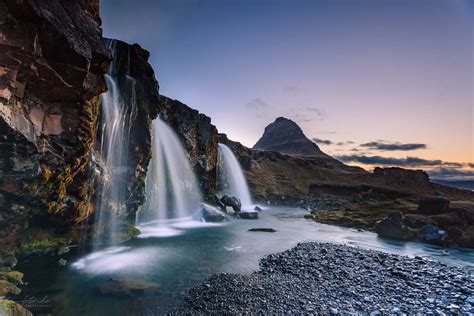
11 308
362 215
6 288
14 277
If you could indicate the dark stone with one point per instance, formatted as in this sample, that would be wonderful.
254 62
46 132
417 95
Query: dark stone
431 233
257 208
265 230
233 202
246 215
392 227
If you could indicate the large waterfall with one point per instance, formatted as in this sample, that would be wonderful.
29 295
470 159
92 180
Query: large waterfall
231 178
172 188
118 107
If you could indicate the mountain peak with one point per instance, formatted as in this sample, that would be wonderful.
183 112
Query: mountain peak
286 137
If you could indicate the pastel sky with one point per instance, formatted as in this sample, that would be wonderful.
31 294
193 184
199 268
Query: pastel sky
364 78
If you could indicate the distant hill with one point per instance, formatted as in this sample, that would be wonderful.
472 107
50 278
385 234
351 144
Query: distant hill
286 137
460 184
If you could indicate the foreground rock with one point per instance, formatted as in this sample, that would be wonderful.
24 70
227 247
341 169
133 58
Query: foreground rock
232 201
328 279
210 214
125 288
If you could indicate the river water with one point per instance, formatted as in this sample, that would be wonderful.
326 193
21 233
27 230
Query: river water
183 253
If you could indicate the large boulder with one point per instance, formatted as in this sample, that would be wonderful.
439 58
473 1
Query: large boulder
432 234
232 201
246 215
125 288
210 214
393 228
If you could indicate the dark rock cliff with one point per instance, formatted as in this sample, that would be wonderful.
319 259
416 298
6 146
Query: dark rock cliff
52 65
200 140
135 79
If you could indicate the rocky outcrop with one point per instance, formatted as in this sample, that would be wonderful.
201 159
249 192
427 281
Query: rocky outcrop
200 140
139 91
286 137
52 65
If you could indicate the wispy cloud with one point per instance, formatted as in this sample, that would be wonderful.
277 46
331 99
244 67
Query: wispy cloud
307 114
394 146
322 141
390 161
259 106
451 174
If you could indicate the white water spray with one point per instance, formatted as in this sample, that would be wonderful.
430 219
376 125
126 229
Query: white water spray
172 188
231 178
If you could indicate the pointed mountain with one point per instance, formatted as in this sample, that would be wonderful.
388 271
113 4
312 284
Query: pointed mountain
286 137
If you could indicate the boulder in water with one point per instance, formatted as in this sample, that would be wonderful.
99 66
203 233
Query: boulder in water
257 208
431 233
232 201
246 215
392 227
210 214
125 288
263 229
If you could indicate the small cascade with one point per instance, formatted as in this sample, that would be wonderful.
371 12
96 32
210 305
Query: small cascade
231 179
118 108
172 189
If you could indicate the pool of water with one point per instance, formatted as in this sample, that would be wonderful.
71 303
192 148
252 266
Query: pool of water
183 253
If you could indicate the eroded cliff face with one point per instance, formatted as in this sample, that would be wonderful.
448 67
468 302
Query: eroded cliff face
52 62
139 94
200 139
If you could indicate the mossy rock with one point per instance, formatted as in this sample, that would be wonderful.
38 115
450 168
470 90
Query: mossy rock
41 244
6 288
11 308
125 232
122 233
14 277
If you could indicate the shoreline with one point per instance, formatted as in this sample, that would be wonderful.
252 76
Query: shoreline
325 278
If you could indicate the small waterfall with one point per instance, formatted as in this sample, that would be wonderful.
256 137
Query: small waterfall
231 178
172 188
118 108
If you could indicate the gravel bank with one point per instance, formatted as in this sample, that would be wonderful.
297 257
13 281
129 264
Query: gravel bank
326 278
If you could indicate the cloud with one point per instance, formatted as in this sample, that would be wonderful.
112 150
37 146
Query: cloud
387 146
322 141
390 161
349 142
259 106
451 174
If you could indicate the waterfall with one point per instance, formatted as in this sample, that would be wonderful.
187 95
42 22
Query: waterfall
231 178
171 186
118 108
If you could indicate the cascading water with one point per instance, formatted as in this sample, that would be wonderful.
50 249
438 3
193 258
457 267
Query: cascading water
118 108
172 188
231 178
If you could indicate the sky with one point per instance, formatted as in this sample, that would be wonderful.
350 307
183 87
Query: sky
373 82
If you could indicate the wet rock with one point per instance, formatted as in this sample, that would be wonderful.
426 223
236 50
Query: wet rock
392 227
265 230
62 262
257 208
431 233
125 288
14 277
232 201
246 215
210 214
